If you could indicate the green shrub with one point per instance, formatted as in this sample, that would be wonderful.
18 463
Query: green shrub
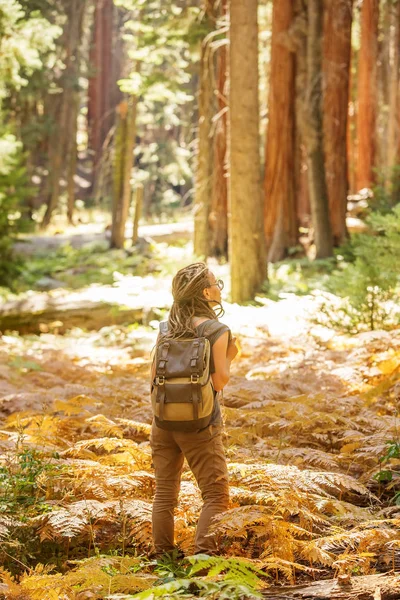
19 487
367 286
13 187
386 194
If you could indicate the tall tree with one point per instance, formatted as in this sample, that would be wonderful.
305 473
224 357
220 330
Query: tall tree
78 8
336 69
367 90
246 236
280 219
219 201
123 161
204 166
312 131
393 156
64 107
106 58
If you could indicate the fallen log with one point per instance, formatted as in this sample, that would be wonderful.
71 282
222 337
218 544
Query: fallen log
59 310
363 587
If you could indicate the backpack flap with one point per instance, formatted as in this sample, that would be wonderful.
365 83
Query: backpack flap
183 396
181 358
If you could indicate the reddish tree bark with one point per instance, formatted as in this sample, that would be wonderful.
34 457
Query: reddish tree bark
336 66
367 94
280 220
103 93
394 108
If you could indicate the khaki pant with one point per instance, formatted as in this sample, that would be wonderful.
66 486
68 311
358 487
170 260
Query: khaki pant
204 453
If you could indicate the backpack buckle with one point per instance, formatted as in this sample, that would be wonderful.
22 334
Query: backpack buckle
160 380
194 379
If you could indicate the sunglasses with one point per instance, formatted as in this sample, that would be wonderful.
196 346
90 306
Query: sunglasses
219 283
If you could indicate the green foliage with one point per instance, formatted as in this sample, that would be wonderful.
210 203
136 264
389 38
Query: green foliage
386 193
232 569
78 267
297 276
388 475
199 588
28 31
171 565
226 578
368 285
19 484
24 40
161 40
13 186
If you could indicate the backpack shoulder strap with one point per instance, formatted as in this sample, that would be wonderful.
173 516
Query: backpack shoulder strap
213 329
163 327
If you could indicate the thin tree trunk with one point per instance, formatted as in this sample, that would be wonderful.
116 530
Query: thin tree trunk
313 133
138 212
367 84
383 75
336 67
72 155
303 209
57 148
280 219
246 236
299 38
394 105
351 131
78 13
204 166
219 202
124 146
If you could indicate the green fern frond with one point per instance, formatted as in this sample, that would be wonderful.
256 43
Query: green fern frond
232 569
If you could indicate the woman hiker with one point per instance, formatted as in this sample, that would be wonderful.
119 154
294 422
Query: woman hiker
196 292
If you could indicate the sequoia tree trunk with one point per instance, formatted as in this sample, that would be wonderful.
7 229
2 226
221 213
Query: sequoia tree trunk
280 219
246 236
336 68
394 105
313 133
367 94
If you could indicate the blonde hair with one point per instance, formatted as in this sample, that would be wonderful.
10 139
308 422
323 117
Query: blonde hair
189 301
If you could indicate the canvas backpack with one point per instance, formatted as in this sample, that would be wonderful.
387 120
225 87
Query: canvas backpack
182 394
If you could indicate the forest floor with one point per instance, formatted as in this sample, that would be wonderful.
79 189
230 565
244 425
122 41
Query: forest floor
97 231
311 438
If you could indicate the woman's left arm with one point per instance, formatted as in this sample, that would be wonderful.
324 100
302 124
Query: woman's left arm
153 365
